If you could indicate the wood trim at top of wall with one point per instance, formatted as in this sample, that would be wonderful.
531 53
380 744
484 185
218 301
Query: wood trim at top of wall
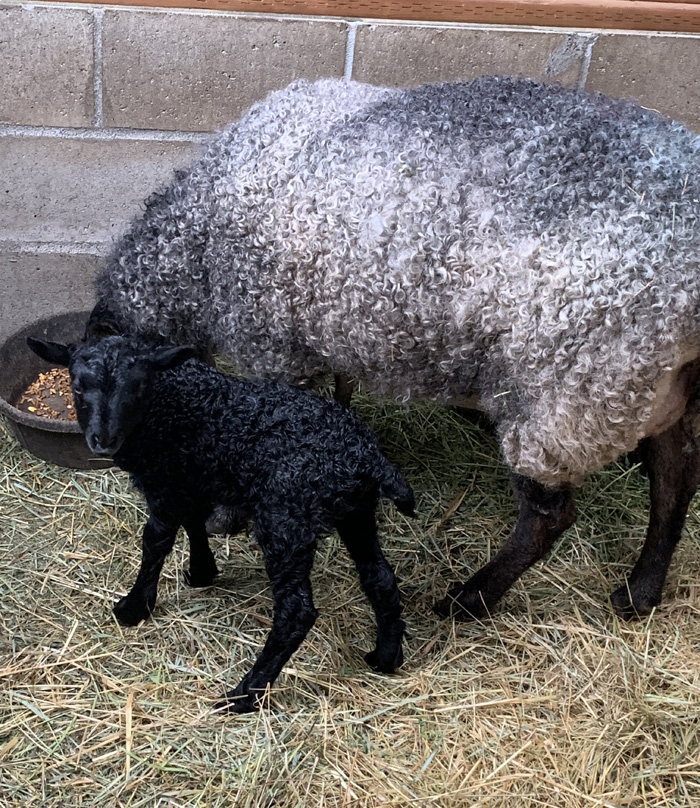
644 15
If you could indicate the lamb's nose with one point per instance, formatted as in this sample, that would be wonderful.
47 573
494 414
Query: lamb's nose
97 447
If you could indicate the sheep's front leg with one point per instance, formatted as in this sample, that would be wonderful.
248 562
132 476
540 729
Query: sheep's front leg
544 515
203 567
288 566
358 531
158 540
672 462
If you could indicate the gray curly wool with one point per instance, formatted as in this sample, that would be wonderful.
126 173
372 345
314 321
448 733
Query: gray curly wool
532 245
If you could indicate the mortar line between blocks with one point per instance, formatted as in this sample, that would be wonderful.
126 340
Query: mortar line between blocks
585 67
350 50
22 247
70 133
98 16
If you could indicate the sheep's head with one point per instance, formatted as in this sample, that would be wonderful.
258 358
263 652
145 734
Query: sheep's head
111 382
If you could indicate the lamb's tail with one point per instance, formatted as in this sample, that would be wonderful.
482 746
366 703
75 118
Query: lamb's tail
393 486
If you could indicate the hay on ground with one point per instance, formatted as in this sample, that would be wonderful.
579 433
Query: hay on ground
551 702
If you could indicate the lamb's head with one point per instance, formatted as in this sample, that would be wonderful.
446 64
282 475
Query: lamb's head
112 383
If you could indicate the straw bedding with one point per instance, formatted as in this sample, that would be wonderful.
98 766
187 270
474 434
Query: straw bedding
551 702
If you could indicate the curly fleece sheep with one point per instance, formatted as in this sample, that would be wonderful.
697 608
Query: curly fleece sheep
299 465
531 245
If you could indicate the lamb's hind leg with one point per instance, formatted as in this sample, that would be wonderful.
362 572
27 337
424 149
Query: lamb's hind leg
288 560
358 531
544 515
672 462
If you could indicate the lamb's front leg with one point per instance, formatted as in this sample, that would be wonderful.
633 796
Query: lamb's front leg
288 565
158 540
544 515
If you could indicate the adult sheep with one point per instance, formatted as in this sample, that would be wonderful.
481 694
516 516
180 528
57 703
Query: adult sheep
533 246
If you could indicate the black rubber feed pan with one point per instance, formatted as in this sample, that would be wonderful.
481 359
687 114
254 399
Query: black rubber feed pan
59 442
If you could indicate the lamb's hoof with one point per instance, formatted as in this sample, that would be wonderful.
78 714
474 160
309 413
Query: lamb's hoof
241 701
462 604
200 578
382 663
632 608
130 612
236 706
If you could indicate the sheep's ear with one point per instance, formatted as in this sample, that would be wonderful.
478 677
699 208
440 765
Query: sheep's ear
55 352
164 358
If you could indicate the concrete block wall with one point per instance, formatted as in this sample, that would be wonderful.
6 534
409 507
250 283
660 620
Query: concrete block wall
99 104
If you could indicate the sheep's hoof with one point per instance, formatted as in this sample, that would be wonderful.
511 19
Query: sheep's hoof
129 612
632 608
379 663
199 578
461 604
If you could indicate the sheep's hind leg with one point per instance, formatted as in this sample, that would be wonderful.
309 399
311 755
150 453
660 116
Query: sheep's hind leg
288 564
672 463
203 567
158 540
358 531
544 515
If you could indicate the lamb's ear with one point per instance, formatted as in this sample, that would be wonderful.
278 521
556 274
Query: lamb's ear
55 352
101 323
164 358
99 329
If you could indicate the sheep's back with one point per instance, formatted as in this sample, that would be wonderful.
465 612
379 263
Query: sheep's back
531 244
377 232
525 243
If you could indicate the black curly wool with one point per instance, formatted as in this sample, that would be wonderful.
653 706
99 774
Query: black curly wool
297 464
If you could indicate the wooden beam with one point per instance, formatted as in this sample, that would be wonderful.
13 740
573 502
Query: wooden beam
644 15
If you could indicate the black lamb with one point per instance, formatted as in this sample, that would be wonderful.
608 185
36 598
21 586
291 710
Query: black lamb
193 440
